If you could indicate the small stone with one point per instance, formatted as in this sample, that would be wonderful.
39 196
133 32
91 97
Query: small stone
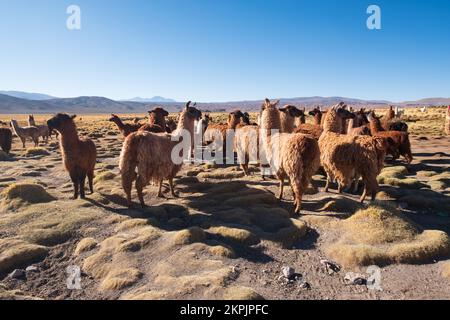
18 274
288 272
331 266
32 269
355 279
305 285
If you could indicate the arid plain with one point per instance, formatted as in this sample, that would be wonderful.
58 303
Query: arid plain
226 236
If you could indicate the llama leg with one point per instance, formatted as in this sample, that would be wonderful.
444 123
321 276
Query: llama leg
23 141
340 187
82 181
75 181
127 183
327 185
172 189
90 176
139 188
280 196
160 195
298 193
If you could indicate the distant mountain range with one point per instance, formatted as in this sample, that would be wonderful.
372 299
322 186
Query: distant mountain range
27 95
154 99
10 104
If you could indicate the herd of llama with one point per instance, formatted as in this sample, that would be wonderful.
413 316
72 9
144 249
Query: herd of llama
345 145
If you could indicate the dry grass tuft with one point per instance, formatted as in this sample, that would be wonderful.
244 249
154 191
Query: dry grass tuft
189 236
222 251
241 293
19 194
37 151
85 245
379 235
343 205
17 253
395 176
221 175
119 279
146 296
104 176
240 236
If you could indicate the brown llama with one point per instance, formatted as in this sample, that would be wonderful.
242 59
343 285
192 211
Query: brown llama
151 154
156 121
44 132
79 155
25 132
388 122
125 128
359 126
5 139
288 117
213 130
346 158
292 156
399 143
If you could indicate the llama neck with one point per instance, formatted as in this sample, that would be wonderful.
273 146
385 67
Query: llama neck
233 122
69 137
332 123
119 123
15 126
185 123
318 118
375 126
351 125
287 122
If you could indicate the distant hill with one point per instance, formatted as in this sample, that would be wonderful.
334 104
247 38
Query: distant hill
157 99
428 102
27 95
10 104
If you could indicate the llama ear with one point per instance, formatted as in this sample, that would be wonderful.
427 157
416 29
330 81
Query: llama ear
188 105
276 103
73 117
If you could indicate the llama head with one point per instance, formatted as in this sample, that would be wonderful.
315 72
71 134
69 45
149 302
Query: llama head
361 118
372 117
234 118
246 118
270 105
293 111
61 121
30 117
343 113
113 118
315 111
159 112
192 112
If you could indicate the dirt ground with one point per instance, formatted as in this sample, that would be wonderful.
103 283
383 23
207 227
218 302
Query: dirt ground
226 236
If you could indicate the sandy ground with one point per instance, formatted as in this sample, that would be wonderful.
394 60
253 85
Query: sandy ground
154 253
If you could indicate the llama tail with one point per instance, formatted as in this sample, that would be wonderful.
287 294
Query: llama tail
128 162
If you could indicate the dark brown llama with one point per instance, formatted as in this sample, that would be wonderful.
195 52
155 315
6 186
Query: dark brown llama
5 139
79 155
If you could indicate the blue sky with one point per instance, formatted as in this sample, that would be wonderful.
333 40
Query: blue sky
224 50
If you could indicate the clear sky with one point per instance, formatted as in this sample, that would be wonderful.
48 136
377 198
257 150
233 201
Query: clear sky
224 50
